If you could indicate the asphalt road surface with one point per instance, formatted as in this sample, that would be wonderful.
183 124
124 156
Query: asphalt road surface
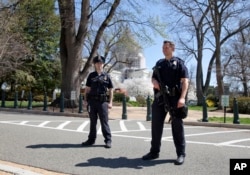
54 143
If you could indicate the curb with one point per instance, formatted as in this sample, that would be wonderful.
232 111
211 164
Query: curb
16 171
223 125
26 111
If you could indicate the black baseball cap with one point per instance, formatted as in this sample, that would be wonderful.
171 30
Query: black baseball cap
98 59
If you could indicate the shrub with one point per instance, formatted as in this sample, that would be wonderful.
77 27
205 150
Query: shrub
210 103
41 98
133 104
211 100
118 97
141 100
243 104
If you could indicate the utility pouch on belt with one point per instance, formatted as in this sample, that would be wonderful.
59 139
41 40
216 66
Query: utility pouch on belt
182 112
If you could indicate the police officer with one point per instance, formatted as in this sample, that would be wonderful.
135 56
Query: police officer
174 75
98 85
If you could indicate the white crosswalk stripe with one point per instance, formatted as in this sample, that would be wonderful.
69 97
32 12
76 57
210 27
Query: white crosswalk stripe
82 126
127 128
43 123
61 126
99 130
122 125
24 122
141 126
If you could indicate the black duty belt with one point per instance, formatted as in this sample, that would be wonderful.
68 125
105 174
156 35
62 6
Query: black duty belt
101 97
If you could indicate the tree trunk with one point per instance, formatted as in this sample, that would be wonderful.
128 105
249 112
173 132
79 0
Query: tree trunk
72 41
199 84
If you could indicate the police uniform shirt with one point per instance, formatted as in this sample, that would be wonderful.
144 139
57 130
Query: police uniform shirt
171 71
98 83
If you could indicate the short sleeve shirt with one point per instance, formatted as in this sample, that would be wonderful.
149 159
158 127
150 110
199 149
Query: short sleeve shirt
171 71
99 84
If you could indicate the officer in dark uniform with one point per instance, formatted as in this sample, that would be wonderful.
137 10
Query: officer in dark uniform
174 76
98 85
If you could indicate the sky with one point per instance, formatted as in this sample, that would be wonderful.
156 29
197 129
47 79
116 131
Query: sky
153 53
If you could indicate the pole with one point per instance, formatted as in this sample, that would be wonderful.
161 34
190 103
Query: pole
30 101
3 99
205 118
45 102
149 115
225 111
62 102
236 112
124 108
16 100
80 104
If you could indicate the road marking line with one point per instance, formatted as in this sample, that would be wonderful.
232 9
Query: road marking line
217 132
122 125
138 130
23 122
43 124
135 137
233 141
141 126
82 126
61 126
148 139
99 130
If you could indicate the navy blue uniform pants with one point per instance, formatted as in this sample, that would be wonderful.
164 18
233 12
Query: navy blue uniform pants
158 118
99 109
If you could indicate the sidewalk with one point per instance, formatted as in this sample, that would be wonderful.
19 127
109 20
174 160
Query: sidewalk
194 117
136 113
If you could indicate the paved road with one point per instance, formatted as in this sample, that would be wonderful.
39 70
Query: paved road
53 143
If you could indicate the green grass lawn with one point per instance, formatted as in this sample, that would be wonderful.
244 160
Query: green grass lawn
229 120
200 108
22 104
220 119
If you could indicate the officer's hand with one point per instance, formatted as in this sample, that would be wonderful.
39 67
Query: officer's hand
155 84
110 105
181 102
85 103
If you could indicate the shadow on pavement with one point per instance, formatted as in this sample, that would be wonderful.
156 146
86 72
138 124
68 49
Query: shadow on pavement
61 145
122 162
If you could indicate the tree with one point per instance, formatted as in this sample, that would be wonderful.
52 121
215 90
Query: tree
138 86
94 19
237 62
40 27
33 33
222 14
125 53
207 25
13 50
